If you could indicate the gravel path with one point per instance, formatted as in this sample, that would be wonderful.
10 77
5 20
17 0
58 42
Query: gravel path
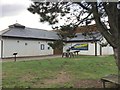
30 58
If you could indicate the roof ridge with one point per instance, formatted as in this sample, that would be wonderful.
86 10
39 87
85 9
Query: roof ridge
37 29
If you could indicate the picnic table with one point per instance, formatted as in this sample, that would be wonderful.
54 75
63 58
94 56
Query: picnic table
68 54
76 52
112 79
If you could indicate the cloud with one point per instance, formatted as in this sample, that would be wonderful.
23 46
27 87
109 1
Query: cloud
11 9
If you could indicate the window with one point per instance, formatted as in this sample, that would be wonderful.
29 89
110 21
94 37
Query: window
18 41
48 48
42 47
25 43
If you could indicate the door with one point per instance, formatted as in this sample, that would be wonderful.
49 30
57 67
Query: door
58 51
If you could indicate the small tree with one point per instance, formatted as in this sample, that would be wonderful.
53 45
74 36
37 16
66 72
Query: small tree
57 44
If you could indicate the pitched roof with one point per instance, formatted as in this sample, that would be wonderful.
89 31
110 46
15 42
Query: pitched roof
95 36
18 30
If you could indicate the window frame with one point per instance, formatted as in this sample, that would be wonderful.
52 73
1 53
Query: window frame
42 47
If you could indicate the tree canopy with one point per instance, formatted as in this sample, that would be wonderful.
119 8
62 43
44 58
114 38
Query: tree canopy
75 14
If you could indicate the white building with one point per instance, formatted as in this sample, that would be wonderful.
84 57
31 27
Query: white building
34 42
88 45
25 41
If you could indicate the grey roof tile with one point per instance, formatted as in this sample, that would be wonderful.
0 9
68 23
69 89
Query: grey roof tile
80 37
29 33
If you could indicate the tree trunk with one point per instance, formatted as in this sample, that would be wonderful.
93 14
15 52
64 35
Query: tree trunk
116 56
113 40
118 45
117 50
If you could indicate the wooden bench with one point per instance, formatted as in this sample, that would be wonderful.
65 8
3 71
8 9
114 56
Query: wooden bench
112 79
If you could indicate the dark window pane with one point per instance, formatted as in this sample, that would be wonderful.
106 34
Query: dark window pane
42 46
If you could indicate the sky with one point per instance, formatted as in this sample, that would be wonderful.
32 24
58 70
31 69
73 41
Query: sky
15 11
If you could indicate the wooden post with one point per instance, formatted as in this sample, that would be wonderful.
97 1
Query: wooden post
95 48
15 56
100 50
103 84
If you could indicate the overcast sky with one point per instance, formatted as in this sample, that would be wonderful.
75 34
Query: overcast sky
12 11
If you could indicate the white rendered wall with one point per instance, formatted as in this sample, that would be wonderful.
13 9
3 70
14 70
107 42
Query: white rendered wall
0 48
108 50
98 49
33 48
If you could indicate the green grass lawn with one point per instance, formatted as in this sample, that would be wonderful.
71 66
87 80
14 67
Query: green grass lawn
57 72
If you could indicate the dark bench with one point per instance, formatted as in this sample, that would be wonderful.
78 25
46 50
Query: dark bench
68 54
112 79
76 52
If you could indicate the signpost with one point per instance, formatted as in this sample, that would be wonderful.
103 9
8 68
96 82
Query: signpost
15 56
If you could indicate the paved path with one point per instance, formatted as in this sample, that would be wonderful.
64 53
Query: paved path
31 58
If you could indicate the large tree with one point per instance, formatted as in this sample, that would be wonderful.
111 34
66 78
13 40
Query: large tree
104 14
